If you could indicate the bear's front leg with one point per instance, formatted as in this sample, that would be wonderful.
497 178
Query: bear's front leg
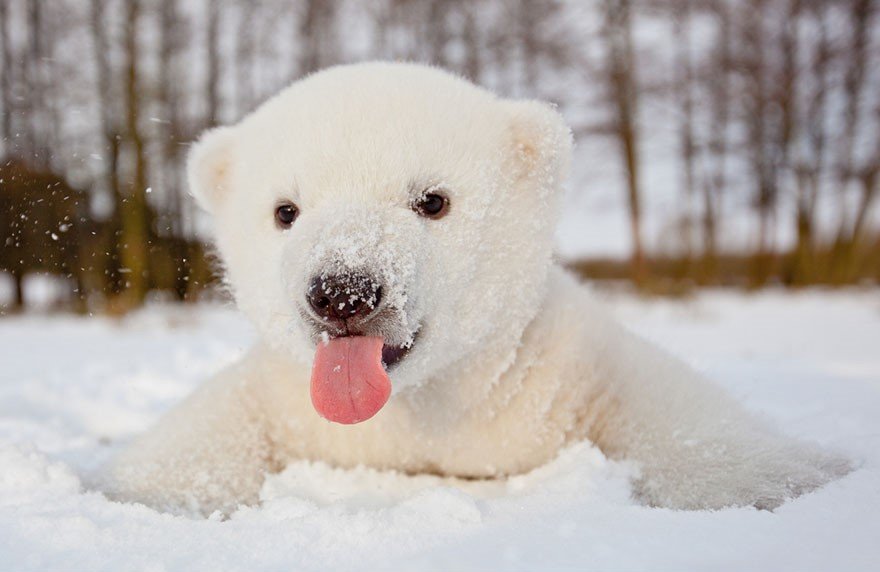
210 453
695 447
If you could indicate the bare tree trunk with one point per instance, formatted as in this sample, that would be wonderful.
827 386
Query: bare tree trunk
869 182
27 108
869 173
52 115
39 155
856 56
857 53
18 290
134 210
683 78
849 253
111 136
438 32
306 36
809 172
785 96
212 85
244 62
471 39
620 62
751 67
6 78
714 185
314 24
381 14
168 100
869 179
769 112
528 18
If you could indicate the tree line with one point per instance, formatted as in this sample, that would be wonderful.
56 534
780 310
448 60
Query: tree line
777 114
771 114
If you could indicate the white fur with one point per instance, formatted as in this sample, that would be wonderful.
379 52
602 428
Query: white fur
512 359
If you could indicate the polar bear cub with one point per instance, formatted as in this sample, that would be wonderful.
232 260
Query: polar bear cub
388 228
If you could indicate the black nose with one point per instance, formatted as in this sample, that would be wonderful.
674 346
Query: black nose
343 296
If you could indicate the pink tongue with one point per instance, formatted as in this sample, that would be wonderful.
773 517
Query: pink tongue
349 383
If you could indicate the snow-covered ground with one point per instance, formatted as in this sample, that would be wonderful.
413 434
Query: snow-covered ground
74 389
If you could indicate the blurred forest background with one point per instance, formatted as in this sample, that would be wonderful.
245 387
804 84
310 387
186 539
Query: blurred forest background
756 121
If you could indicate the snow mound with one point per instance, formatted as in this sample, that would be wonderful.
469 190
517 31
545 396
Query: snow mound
28 474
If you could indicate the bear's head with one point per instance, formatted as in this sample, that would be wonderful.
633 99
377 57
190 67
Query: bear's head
385 217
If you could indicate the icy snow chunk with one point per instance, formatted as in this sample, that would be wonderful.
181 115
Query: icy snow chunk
28 474
438 506
360 488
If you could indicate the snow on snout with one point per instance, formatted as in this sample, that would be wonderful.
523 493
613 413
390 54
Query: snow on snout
374 241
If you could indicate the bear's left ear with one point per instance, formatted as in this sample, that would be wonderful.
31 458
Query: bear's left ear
540 139
208 166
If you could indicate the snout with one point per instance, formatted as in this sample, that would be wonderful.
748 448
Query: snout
341 297
353 272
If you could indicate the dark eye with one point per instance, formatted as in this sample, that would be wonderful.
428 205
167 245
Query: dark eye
285 215
432 205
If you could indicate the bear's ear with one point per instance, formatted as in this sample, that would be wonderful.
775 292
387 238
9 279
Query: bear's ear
208 166
540 139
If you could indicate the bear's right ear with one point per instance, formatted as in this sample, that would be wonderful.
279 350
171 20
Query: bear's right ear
208 166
